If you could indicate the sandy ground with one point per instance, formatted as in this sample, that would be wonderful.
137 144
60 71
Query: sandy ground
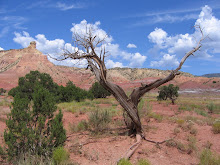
107 149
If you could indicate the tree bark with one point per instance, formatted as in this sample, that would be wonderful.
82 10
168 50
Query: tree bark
96 63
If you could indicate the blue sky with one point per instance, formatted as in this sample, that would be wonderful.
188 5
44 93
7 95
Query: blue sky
142 34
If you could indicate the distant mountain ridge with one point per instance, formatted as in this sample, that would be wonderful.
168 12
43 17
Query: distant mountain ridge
17 63
211 75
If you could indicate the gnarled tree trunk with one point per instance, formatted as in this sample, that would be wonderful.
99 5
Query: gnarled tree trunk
96 63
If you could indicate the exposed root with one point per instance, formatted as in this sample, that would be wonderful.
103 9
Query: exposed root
157 143
133 148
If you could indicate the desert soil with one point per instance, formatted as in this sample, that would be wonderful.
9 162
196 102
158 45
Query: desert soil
108 148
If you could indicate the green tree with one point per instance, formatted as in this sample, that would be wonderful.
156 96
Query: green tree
168 92
26 87
71 92
27 84
98 91
2 91
32 127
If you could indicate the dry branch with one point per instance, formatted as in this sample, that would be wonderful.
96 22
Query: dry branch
88 44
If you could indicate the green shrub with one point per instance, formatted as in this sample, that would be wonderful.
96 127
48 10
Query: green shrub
201 112
71 92
155 116
60 156
29 159
168 92
211 107
124 162
98 91
82 126
171 143
192 144
208 158
2 153
182 147
99 120
143 162
2 91
141 105
32 127
216 127
27 85
180 122
5 102
184 107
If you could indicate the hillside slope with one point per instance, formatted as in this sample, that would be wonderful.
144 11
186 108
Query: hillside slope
17 63
211 75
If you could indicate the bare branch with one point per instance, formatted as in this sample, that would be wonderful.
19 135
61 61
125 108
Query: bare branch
140 91
89 43
64 58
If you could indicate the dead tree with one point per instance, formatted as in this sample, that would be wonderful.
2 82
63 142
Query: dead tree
90 47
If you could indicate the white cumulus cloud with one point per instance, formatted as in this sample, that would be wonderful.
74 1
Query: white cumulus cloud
23 38
134 59
159 37
1 48
180 44
131 46
210 26
113 49
43 44
112 64
52 47
137 60
83 28
166 61
55 47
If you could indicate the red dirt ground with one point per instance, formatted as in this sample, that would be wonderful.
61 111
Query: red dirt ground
108 149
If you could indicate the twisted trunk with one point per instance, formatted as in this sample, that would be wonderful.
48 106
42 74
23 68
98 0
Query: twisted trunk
96 63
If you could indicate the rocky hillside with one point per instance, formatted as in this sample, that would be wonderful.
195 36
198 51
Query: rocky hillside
17 63
211 75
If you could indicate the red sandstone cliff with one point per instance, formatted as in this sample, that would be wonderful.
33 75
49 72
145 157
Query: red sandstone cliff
17 63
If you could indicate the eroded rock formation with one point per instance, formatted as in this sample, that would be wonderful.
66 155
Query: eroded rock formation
17 63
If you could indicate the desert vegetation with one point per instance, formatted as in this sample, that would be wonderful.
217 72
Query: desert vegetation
51 124
91 47
33 128
96 132
168 92
66 124
2 91
99 91
27 86
63 115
